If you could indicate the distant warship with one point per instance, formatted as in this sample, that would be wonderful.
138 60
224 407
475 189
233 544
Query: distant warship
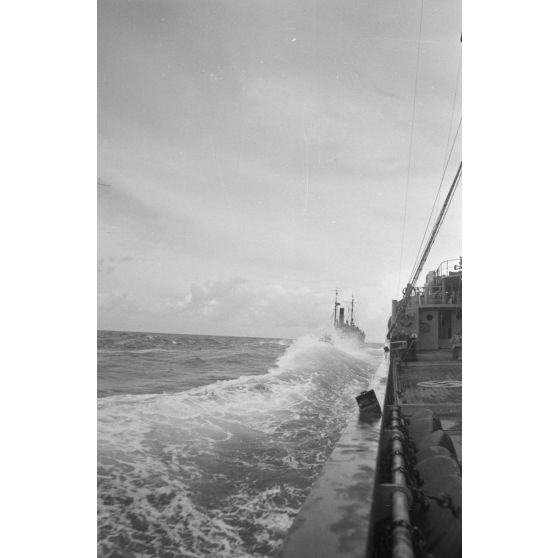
346 329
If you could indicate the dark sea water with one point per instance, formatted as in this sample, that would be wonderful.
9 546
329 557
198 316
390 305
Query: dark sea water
208 446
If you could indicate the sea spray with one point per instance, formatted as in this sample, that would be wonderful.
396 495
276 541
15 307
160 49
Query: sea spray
223 468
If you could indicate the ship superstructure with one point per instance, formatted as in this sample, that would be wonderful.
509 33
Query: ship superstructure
431 319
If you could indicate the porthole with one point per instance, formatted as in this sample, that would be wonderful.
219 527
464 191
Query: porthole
429 317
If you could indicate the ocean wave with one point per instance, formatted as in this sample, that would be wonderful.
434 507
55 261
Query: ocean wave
222 469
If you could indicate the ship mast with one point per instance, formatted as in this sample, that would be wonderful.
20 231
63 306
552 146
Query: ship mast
335 309
352 309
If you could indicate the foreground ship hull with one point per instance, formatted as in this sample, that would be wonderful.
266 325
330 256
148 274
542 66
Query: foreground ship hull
350 509
392 485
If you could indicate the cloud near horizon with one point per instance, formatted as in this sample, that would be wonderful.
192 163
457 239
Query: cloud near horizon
237 306
242 307
249 308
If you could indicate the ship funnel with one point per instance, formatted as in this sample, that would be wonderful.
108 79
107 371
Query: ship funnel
342 316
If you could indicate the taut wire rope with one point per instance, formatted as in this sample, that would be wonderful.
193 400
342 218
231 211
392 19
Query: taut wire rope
410 144
434 205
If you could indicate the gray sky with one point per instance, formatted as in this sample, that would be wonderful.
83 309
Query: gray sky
253 156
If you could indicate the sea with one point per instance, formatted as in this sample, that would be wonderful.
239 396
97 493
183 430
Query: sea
209 445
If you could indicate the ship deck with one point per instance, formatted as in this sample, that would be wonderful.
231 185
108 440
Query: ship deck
335 520
434 382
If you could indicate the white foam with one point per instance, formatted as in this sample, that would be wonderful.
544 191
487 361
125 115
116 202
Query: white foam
260 440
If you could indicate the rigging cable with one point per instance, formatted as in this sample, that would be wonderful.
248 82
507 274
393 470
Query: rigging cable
458 75
438 224
446 159
434 205
410 145
410 285
453 104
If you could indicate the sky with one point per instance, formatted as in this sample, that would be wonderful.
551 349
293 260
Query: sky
255 155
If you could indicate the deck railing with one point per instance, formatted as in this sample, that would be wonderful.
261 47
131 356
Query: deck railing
434 295
449 267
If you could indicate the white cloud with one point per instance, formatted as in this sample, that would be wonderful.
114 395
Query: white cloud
239 306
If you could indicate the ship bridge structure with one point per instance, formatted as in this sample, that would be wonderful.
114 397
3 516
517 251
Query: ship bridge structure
433 313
